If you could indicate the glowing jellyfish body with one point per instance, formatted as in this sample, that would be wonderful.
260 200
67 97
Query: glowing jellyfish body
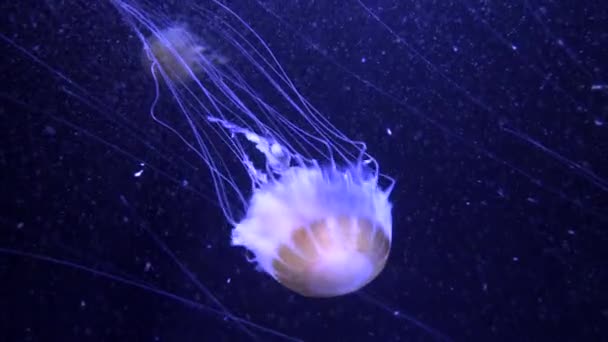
320 228
319 232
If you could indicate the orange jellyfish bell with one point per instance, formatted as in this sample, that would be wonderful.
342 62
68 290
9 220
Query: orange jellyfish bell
320 233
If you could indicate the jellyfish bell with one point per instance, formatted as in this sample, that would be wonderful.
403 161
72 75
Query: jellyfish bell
314 215
321 232
178 52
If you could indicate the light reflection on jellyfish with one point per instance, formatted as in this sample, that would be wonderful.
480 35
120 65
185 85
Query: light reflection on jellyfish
316 218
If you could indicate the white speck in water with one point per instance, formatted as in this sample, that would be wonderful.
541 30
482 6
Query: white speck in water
140 172
49 130
571 232
83 303
389 132
598 122
500 192
515 259
532 200
228 280
513 47
363 59
20 225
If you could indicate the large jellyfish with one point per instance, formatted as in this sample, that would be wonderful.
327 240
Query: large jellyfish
314 215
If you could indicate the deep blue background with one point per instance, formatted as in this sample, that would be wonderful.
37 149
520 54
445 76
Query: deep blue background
495 237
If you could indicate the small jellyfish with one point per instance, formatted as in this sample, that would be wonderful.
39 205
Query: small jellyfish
179 52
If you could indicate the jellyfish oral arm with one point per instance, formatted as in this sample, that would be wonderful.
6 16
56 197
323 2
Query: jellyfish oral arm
278 158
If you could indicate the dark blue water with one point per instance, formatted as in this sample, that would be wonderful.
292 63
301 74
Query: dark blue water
498 140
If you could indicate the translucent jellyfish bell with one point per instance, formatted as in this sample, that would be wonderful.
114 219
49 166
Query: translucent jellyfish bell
318 234
178 52
321 232
315 218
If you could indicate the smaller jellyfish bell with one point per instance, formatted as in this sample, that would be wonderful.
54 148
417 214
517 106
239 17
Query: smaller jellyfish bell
321 232
179 53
